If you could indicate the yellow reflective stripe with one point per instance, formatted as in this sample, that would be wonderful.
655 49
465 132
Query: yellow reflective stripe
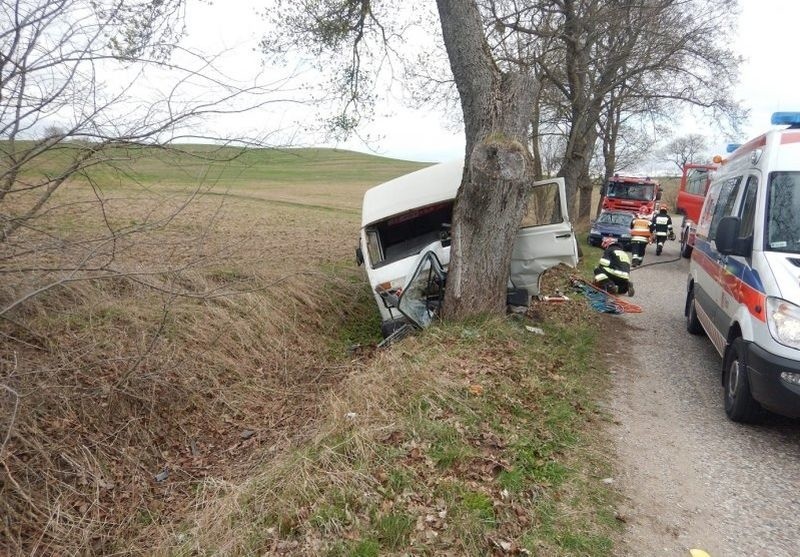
603 262
601 276
620 274
623 255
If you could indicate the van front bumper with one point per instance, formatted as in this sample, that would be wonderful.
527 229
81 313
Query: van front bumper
766 384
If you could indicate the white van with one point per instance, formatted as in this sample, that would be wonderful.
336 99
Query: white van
744 274
405 218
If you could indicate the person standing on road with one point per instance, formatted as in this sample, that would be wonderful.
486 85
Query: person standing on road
661 227
613 271
640 237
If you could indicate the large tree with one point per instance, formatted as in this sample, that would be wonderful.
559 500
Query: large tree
516 65
496 101
653 51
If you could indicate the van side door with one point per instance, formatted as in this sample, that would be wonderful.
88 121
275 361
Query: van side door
545 237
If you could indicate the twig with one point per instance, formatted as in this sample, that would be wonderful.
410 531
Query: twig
13 416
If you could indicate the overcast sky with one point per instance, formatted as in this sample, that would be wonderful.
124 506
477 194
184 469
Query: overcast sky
769 80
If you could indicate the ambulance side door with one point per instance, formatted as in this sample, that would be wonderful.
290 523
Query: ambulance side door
736 267
711 281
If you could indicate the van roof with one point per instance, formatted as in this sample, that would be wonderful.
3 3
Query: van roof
430 185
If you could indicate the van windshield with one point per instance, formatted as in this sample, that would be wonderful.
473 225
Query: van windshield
783 220
406 234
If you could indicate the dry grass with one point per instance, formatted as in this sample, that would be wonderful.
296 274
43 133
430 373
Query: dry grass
201 399
207 348
459 441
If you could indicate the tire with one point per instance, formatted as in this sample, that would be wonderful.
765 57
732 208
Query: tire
686 249
693 324
389 327
740 406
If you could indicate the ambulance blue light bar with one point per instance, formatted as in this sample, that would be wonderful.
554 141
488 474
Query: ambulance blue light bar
785 118
731 147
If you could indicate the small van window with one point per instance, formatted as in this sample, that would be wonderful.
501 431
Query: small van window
544 206
783 212
747 213
724 205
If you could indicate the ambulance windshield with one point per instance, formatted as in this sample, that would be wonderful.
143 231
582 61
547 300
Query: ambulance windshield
783 222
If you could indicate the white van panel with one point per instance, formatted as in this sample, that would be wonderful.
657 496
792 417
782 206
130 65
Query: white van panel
424 187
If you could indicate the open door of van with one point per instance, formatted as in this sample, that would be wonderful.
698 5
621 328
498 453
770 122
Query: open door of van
545 237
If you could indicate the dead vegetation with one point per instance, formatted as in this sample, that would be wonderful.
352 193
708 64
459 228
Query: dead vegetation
185 353
216 394
458 441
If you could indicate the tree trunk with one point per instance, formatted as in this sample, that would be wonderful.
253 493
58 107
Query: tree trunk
498 170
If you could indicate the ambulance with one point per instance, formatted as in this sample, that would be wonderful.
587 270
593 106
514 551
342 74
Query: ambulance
743 288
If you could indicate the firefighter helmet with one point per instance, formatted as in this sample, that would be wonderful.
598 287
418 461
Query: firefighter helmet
607 241
663 207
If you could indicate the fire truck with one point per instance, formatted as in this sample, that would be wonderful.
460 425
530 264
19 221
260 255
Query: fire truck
692 193
628 193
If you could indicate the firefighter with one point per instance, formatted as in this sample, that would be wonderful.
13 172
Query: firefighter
613 271
640 237
661 227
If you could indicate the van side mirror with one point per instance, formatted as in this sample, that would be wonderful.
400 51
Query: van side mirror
658 194
359 256
728 240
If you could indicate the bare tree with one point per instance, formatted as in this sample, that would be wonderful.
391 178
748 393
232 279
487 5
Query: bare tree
664 50
556 62
686 149
496 102
72 112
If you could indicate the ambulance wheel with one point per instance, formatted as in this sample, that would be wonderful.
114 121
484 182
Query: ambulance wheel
692 322
740 406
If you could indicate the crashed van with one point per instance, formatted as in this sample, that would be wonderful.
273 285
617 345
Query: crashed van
405 225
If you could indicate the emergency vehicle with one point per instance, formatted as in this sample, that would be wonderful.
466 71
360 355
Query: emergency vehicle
694 185
743 287
405 225
628 193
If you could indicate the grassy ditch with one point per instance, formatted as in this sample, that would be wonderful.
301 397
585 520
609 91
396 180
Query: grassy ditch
220 393
463 440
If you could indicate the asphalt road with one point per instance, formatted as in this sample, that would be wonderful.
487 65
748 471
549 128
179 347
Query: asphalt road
690 477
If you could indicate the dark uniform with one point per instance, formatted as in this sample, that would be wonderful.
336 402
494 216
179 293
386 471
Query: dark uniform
661 227
613 271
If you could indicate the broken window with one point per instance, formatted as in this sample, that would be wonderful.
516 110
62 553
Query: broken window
406 234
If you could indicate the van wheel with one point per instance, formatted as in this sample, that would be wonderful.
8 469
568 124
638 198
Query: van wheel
693 324
389 327
740 406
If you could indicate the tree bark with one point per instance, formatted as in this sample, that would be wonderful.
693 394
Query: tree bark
498 167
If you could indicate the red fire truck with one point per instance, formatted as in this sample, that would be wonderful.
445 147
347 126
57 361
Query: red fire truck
628 193
694 185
